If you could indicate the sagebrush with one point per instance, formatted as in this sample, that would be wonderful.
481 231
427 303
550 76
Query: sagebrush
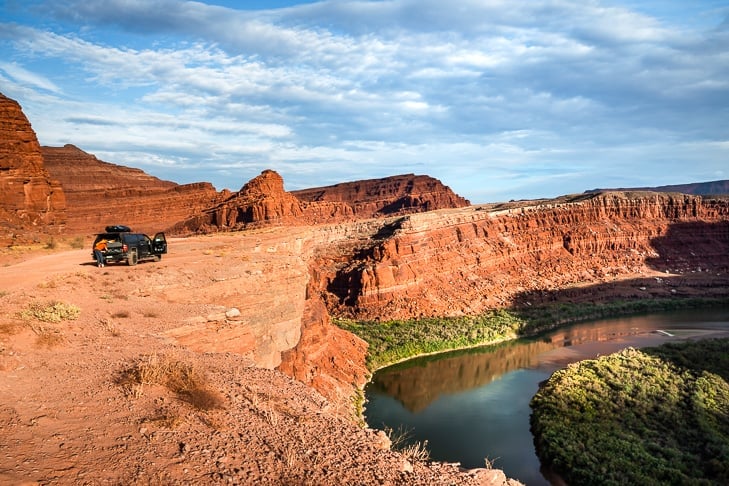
178 376
54 311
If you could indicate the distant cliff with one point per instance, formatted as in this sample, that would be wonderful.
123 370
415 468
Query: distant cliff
99 193
263 201
711 188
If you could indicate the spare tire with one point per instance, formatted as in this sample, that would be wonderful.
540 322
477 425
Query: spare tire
132 257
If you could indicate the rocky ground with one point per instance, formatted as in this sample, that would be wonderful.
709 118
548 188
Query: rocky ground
107 397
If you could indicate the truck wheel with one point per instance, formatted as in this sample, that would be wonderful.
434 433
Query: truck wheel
132 258
157 258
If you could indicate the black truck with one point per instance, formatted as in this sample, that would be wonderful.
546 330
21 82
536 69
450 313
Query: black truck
121 244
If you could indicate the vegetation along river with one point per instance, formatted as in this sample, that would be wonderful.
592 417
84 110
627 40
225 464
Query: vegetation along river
474 404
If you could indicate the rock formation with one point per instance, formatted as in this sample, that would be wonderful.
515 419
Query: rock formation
263 201
30 200
327 358
401 194
464 261
99 194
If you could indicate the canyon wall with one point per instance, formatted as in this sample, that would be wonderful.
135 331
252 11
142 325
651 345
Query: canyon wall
465 261
31 201
264 202
99 193
401 194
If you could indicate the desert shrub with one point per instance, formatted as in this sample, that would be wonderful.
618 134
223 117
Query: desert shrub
47 337
651 416
401 440
179 377
54 311
10 328
77 243
51 244
121 314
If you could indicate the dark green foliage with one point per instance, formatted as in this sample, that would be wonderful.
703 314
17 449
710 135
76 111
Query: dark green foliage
393 341
655 416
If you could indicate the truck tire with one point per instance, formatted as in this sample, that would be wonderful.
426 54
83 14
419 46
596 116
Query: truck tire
132 258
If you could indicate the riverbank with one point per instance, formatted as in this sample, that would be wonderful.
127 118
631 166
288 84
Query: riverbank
391 342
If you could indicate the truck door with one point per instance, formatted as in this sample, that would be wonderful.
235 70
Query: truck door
159 244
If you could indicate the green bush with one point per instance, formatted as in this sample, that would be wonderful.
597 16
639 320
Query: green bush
651 416
51 312
393 341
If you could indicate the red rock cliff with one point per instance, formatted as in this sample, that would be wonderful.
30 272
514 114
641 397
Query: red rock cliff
99 194
468 260
29 197
263 201
401 194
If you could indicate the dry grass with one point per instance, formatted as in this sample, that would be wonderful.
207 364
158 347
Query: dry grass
401 441
10 328
77 243
47 337
181 378
416 452
489 463
53 311
110 327
48 284
165 418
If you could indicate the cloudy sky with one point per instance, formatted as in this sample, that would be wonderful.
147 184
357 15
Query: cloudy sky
499 99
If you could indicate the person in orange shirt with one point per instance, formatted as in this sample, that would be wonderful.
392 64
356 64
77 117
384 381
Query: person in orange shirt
99 248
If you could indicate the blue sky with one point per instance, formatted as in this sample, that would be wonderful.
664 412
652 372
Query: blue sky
498 99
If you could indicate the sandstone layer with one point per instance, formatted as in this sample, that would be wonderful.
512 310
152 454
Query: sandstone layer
31 201
401 194
99 193
465 261
263 201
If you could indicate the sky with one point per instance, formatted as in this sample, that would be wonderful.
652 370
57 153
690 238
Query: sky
499 99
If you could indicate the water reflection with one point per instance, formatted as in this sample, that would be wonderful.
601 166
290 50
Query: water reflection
418 382
475 403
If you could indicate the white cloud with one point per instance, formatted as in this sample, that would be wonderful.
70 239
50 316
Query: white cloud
24 77
365 87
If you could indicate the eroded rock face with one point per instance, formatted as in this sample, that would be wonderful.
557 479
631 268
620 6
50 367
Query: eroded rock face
470 260
401 194
263 201
29 198
326 357
99 193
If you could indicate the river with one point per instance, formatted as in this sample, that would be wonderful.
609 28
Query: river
473 405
